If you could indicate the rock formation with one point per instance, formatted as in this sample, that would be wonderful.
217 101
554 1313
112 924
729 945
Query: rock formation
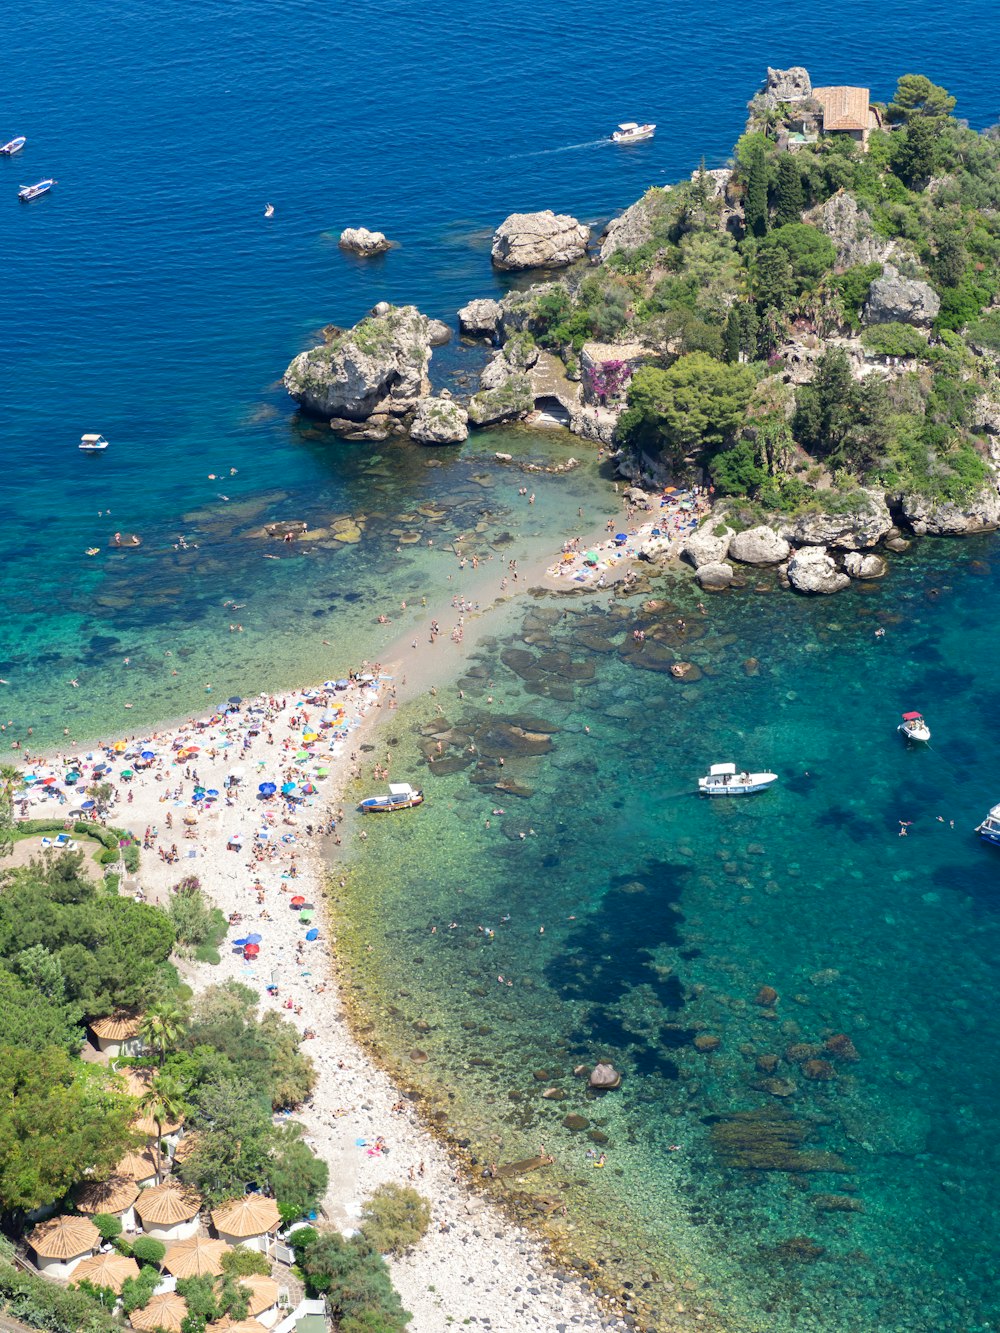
378 368
864 525
364 242
439 421
539 240
480 319
510 399
438 332
812 570
851 230
604 1076
758 546
704 547
865 566
635 226
787 85
714 577
893 299
945 518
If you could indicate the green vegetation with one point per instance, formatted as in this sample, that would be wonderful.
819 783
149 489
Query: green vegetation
394 1218
726 309
353 1277
148 1250
41 1303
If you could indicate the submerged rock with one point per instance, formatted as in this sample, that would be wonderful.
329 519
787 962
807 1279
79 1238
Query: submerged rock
604 1076
539 240
865 566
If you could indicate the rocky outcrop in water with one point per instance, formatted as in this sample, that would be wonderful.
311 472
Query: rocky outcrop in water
865 566
707 545
439 421
539 240
812 570
787 85
758 546
364 242
604 1076
893 299
945 518
378 368
480 319
864 524
715 576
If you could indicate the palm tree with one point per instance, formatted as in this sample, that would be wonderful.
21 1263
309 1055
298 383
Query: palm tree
163 1103
161 1029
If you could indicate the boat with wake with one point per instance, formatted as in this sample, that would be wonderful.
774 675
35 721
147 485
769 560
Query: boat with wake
631 132
401 796
914 728
29 192
724 780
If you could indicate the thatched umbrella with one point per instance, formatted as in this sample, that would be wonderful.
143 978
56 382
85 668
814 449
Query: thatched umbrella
64 1237
253 1215
197 1257
106 1270
106 1196
166 1311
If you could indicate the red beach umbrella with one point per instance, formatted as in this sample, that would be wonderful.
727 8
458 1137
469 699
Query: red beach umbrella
251 950
297 901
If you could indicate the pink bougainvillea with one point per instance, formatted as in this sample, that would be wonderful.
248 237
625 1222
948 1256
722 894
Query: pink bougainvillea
610 378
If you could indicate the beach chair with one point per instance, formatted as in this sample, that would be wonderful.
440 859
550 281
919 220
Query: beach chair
63 840
47 843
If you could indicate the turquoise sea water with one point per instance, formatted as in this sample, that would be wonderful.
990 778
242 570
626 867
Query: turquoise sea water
147 298
634 917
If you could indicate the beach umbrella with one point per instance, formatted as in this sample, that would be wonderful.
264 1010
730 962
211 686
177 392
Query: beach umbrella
311 736
190 819
239 944
267 789
254 939
590 558
287 788
127 773
87 805
193 749
322 772
343 685
148 754
298 901
305 917
308 788
302 754
119 747
251 950
236 699
212 791
312 934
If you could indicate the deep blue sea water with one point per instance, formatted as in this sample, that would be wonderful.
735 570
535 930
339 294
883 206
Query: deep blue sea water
148 298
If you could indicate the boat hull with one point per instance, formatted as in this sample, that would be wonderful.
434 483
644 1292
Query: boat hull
15 146
921 734
378 805
736 786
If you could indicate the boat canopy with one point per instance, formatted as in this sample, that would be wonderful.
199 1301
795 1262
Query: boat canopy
91 439
722 770
629 125
400 789
912 717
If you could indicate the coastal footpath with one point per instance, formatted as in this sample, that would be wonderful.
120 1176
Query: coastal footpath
811 333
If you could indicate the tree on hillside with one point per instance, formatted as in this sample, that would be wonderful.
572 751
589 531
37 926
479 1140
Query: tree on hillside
917 97
161 1029
30 1020
755 201
164 1103
810 254
823 417
772 280
58 1118
698 404
789 200
235 1138
298 1178
916 151
10 779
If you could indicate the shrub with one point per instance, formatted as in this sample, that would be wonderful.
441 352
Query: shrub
108 1225
136 1291
241 1262
894 340
147 1250
130 855
355 1281
43 1304
394 1218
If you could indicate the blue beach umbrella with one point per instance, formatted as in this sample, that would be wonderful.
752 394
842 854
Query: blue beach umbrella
267 788
212 791
87 805
253 939
148 754
235 699
312 934
238 944
287 787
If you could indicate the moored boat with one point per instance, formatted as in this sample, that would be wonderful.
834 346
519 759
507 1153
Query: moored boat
724 780
914 728
990 827
13 146
93 444
27 192
401 796
631 132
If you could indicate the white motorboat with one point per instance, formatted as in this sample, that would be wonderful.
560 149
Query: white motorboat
724 780
14 146
28 192
990 827
914 728
93 444
401 797
269 210
629 131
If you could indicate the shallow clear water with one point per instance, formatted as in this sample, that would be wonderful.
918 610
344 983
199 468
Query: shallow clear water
663 916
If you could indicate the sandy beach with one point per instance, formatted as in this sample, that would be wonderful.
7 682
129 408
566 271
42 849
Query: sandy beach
197 809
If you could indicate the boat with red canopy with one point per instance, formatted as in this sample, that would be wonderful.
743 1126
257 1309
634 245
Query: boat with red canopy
914 728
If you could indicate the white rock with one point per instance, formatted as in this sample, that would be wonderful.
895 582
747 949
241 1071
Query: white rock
439 421
758 546
811 569
714 577
364 242
480 318
539 240
865 566
703 547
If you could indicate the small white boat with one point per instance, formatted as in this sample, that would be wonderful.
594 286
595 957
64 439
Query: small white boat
401 797
631 132
914 728
269 210
93 444
990 827
28 192
724 780
14 146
